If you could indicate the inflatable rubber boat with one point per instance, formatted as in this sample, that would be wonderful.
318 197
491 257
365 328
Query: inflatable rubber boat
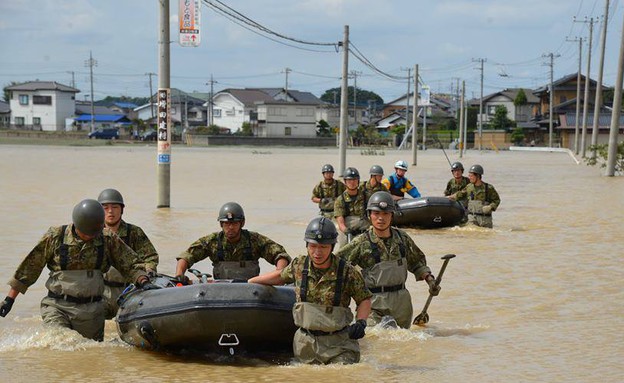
428 212
211 316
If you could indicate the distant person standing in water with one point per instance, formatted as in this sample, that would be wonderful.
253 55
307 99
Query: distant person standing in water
482 197
398 184
325 192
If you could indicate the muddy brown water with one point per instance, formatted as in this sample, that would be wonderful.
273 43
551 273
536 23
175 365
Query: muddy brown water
540 298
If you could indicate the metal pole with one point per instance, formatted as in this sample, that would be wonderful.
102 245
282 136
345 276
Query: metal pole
586 97
415 119
344 102
616 116
164 145
598 99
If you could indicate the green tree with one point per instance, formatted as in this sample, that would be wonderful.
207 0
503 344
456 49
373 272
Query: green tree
334 95
602 155
517 136
521 98
246 129
500 120
323 129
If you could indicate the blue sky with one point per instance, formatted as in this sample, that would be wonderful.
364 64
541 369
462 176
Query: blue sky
48 39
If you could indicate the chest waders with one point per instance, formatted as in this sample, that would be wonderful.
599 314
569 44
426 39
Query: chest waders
114 282
357 224
475 209
245 268
74 296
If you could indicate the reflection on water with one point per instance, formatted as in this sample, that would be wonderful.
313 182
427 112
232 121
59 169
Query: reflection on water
538 298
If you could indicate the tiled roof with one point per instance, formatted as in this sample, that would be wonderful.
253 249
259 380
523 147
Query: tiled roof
42 85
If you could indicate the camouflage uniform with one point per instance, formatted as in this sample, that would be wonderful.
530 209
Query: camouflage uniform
238 260
399 254
114 282
479 196
329 192
369 190
353 209
314 345
76 304
453 187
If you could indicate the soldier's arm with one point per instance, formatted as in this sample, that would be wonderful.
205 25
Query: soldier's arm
124 259
416 260
146 251
31 267
494 198
271 251
316 194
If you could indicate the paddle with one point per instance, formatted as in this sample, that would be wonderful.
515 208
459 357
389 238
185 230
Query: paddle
443 151
423 317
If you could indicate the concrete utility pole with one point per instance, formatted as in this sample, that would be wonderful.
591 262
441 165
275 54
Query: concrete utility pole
354 74
598 100
73 81
209 110
150 74
587 81
91 63
551 101
407 102
461 119
480 60
286 71
578 93
415 119
344 102
616 112
164 91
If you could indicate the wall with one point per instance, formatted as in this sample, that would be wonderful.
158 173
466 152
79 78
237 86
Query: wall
203 140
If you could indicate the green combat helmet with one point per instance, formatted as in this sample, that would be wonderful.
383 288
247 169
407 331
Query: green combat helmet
476 169
88 217
457 166
376 170
231 212
110 196
351 174
327 169
321 230
380 201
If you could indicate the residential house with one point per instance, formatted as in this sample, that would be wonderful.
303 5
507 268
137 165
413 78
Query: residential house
568 131
520 114
186 111
41 105
102 121
285 119
439 112
5 114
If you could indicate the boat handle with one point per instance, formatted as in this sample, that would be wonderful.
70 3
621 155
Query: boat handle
224 340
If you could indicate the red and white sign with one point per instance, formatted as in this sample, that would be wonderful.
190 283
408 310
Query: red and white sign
190 17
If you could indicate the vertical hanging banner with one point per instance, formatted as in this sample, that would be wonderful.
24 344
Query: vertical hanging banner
190 17
164 126
425 96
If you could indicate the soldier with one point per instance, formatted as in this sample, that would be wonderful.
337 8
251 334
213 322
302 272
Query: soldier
482 197
234 252
77 255
133 236
325 193
350 208
324 286
458 182
385 255
374 183
398 185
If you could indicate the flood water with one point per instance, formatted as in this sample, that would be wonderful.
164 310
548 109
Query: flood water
540 298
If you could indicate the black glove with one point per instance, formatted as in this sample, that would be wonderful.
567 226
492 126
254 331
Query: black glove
325 201
433 288
356 330
149 286
7 303
183 279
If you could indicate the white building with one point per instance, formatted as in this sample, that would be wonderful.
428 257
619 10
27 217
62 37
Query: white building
41 105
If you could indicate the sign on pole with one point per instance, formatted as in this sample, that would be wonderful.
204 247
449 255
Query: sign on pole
190 17
425 96
164 126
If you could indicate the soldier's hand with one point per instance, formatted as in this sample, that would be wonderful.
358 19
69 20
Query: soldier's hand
357 329
325 201
182 279
6 305
487 209
433 288
149 286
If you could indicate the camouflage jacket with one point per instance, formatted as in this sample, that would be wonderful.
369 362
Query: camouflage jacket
370 190
360 252
322 282
484 192
331 191
453 187
259 246
137 240
347 205
81 255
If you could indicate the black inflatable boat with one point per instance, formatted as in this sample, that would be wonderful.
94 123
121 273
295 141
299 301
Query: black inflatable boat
209 316
428 212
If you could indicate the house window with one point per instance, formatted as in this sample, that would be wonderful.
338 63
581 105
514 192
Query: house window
42 100
230 112
23 99
288 131
19 121
277 112
305 112
36 120
491 109
216 113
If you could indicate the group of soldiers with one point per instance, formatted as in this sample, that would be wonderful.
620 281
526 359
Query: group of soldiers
95 257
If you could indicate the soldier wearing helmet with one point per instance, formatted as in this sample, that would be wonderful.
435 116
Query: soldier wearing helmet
324 336
78 255
374 182
350 207
235 252
114 283
325 192
398 184
458 182
385 254
482 198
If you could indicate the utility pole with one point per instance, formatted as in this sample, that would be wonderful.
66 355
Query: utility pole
415 119
461 119
209 110
578 93
481 61
164 108
73 81
286 71
150 74
344 102
91 63
354 74
616 112
587 81
598 99
409 79
550 98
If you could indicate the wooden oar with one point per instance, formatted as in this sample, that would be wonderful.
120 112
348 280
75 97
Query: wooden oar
423 317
